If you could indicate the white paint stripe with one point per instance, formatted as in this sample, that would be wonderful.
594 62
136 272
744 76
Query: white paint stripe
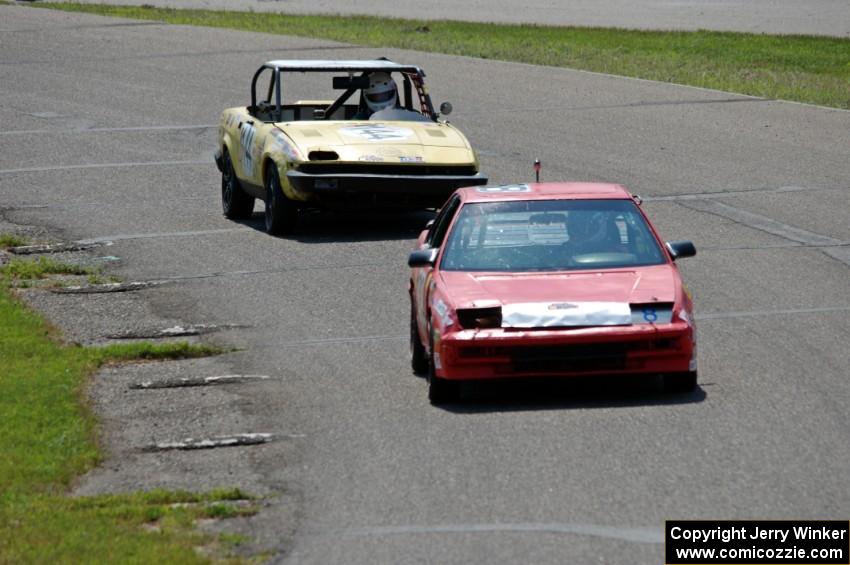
105 130
759 222
634 535
105 166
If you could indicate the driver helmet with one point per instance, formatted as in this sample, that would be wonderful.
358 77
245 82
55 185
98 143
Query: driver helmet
381 93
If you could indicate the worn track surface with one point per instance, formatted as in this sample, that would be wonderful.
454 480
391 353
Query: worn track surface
107 135
821 17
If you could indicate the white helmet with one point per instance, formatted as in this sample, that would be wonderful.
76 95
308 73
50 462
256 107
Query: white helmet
381 93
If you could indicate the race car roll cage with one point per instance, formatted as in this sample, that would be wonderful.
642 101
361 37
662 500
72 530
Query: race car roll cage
412 78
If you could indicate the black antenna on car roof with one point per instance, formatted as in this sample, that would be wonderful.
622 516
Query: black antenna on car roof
537 170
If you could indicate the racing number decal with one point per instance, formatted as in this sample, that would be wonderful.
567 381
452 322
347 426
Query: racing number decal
246 138
377 132
650 315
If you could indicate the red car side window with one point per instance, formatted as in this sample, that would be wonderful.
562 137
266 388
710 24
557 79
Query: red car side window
441 223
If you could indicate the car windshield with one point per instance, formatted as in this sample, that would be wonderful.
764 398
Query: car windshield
550 235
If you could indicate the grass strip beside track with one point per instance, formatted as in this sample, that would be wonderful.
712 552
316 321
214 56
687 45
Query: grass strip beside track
9 240
48 437
807 69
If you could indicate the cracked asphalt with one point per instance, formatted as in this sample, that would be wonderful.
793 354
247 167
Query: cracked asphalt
106 137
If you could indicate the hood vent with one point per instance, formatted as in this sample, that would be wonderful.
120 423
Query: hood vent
323 156
471 318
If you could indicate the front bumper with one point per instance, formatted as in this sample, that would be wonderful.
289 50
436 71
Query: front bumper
428 190
501 353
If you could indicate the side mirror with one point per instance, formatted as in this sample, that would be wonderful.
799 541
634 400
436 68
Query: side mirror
681 249
445 108
429 223
423 257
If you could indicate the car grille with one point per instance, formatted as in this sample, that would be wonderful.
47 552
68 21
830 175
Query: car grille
596 357
372 169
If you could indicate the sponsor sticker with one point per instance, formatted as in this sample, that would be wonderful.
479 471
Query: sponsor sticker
246 137
281 144
377 132
504 188
565 314
442 310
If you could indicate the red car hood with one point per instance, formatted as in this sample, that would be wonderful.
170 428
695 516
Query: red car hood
637 285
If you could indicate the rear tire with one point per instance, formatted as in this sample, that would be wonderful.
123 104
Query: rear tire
440 391
235 202
418 357
281 212
680 382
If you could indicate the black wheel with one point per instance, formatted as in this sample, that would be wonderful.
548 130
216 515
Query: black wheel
235 202
680 382
418 358
440 391
281 212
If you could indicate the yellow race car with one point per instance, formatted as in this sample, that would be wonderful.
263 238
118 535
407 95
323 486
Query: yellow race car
385 147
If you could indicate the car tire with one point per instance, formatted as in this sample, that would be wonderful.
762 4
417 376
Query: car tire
281 212
440 391
235 202
418 357
680 382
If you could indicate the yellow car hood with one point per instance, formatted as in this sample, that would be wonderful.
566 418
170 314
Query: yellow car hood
381 141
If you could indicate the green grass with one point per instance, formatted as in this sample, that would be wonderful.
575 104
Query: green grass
97 278
8 240
48 437
134 528
802 68
41 268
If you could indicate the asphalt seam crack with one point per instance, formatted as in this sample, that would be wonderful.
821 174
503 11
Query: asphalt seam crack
635 535
734 192
759 222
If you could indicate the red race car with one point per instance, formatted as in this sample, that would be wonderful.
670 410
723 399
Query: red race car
548 279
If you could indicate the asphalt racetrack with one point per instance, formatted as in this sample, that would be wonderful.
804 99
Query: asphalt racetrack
108 133
815 17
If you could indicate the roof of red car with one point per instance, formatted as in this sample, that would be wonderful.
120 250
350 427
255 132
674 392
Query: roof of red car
545 191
